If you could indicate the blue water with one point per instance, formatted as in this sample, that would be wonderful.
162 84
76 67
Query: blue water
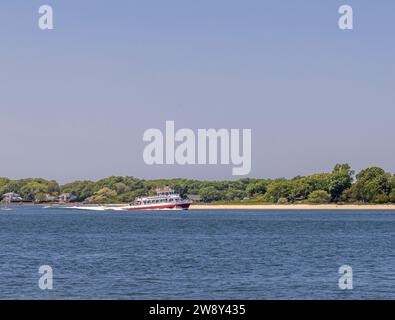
196 254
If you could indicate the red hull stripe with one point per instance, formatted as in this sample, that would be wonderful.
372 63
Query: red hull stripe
165 206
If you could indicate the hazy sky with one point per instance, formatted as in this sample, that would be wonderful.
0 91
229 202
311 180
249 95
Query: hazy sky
75 101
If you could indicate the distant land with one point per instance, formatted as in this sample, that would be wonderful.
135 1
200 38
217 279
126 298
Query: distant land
340 188
294 207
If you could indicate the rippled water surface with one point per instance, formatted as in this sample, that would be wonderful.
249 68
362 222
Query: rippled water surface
196 254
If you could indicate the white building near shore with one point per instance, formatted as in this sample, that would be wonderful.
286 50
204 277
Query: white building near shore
11 197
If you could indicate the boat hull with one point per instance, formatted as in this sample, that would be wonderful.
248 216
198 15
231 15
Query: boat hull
165 206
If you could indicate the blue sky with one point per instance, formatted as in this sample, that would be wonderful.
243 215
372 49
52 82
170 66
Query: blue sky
75 101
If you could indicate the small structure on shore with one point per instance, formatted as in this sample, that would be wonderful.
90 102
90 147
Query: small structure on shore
11 197
66 197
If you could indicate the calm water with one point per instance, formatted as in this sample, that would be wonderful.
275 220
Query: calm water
196 254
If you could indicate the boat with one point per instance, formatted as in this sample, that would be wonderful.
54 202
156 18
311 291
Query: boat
165 199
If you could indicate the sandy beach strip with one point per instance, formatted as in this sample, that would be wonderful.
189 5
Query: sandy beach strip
294 207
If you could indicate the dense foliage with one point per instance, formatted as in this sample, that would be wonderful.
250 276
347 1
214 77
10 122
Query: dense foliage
371 185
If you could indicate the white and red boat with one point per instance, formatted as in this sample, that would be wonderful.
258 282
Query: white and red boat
165 199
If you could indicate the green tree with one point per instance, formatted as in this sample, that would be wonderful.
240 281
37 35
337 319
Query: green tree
371 183
393 183
39 197
121 188
233 194
104 195
3 185
340 180
210 194
381 198
81 189
318 181
299 189
256 188
280 188
31 189
319 197
53 187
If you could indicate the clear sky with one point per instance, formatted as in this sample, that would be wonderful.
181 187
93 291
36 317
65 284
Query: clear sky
75 101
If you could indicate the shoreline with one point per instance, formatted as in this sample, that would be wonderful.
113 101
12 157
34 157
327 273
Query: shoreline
295 207
355 207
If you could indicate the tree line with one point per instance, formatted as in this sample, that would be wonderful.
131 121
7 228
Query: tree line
341 185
